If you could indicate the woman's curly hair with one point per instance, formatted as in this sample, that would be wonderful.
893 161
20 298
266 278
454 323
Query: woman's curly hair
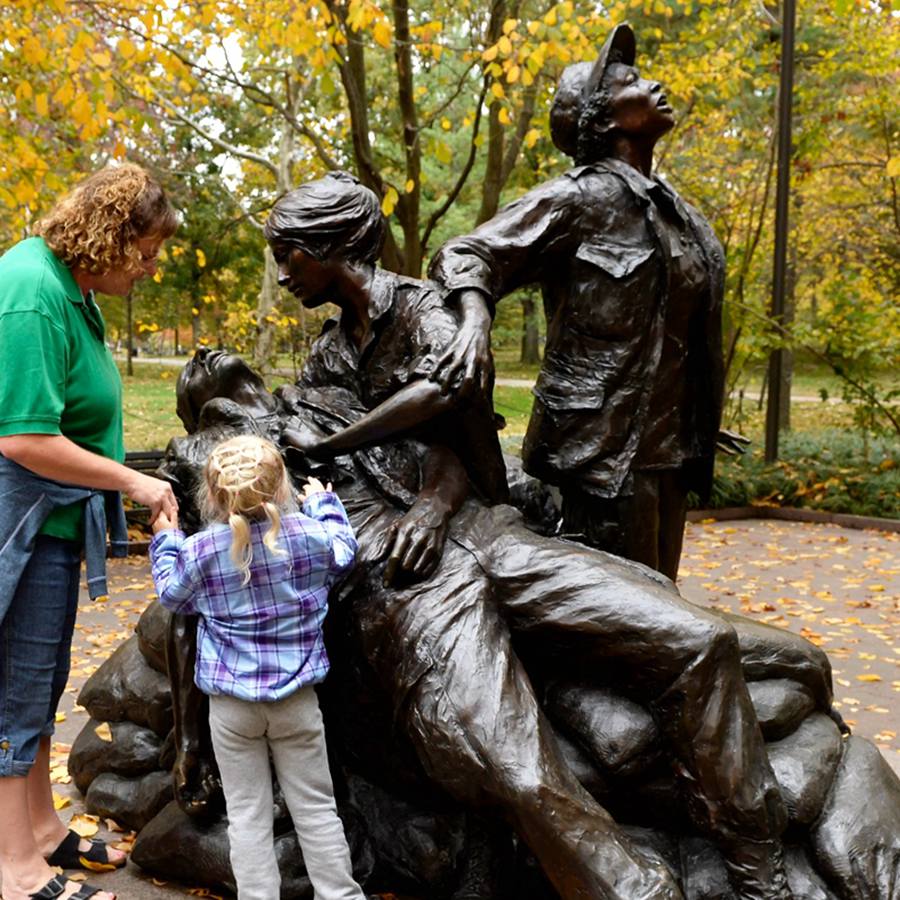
97 225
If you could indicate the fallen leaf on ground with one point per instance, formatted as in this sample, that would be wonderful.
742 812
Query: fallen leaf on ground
95 866
84 825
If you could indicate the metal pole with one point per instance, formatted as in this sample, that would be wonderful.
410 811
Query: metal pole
779 266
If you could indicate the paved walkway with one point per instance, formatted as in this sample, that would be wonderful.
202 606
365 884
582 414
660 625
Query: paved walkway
838 587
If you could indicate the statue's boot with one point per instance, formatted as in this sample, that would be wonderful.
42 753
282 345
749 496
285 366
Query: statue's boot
756 870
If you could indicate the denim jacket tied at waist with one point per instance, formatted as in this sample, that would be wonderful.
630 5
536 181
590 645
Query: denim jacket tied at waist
27 499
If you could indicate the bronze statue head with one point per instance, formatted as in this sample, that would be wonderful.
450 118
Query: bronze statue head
334 216
598 102
210 374
322 231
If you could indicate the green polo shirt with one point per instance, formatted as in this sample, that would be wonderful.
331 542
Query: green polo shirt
57 375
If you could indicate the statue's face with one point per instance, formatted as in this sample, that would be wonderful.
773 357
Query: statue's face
637 107
209 374
310 281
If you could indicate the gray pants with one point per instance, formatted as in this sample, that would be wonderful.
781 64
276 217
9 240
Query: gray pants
242 734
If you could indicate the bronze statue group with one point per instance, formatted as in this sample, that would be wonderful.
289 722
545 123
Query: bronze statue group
510 712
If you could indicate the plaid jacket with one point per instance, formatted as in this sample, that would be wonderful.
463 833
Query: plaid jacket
262 640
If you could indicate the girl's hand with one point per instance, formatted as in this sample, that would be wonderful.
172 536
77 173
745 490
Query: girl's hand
162 522
313 486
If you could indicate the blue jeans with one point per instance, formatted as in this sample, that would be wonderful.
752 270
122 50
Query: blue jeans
35 650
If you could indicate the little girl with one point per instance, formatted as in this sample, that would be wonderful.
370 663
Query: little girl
258 578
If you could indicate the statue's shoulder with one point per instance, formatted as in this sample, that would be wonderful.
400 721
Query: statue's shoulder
598 179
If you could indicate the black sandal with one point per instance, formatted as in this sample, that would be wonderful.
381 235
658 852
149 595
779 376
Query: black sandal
68 856
56 887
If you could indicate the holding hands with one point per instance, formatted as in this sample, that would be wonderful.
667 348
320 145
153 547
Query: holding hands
165 520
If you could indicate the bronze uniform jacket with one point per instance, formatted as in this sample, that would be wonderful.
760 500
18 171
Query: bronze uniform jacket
595 242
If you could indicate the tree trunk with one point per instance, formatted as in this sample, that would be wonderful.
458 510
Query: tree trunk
129 334
408 203
195 305
265 346
353 78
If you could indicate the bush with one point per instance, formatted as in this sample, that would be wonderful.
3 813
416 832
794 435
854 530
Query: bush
835 471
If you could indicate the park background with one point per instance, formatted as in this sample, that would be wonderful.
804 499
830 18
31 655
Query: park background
442 109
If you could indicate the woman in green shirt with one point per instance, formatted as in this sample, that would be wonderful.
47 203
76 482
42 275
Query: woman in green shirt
61 420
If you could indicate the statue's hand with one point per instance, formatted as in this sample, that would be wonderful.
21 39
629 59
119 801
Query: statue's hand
196 783
308 442
467 362
418 541
731 443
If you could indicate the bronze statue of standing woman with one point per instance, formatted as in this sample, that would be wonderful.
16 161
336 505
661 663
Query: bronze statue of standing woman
628 400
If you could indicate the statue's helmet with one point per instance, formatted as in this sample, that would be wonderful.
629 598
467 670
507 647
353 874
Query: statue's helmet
580 80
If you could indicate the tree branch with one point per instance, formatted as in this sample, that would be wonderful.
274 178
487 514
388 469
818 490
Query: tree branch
172 110
439 213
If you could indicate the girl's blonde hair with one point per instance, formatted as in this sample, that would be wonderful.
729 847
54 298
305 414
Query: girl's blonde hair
97 225
246 480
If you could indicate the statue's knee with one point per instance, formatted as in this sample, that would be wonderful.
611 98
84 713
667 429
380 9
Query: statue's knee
712 638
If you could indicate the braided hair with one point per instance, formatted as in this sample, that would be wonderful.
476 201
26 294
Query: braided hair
245 480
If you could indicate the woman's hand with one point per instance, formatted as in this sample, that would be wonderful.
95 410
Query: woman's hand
418 540
55 456
156 494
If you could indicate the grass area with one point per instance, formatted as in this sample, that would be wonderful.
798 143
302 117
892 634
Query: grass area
149 401
810 378
506 360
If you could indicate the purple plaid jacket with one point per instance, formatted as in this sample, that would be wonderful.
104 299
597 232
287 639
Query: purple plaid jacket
262 640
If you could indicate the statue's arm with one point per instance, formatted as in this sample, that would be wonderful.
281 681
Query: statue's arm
419 537
193 772
510 250
411 406
513 248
